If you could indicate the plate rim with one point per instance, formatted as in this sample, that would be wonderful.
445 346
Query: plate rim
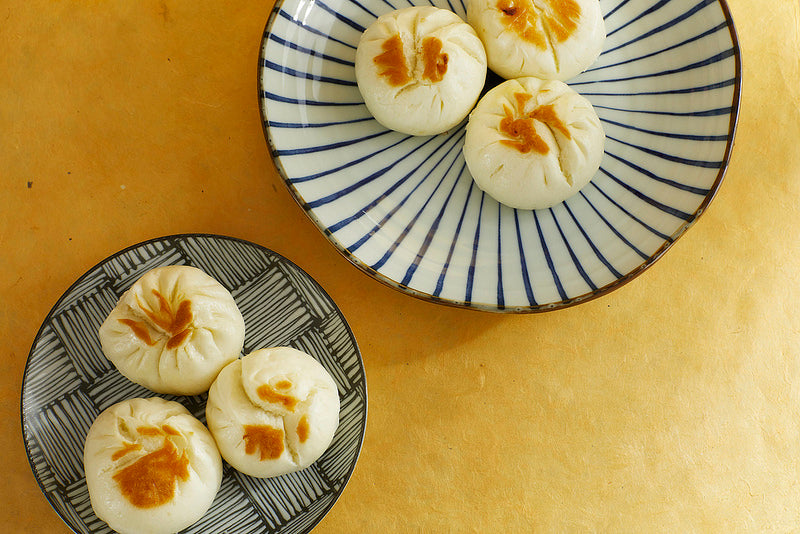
24 424
504 309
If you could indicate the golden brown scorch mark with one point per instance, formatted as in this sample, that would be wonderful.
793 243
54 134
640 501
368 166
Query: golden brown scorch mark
520 128
559 19
303 429
264 440
150 481
125 449
393 63
272 394
434 60
174 322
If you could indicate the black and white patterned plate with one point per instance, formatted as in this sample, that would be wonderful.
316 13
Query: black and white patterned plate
68 381
405 210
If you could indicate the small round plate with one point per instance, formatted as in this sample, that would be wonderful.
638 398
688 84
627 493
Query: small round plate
68 381
405 209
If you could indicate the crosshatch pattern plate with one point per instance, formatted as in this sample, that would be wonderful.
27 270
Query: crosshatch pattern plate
405 209
68 381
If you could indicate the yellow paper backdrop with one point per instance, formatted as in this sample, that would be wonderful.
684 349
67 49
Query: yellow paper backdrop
670 405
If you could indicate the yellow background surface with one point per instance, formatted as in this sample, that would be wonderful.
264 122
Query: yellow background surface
669 405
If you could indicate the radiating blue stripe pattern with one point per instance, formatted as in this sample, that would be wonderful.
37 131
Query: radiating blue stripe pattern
68 381
405 209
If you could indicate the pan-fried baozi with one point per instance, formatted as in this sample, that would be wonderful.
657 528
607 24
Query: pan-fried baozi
552 39
173 330
420 69
273 411
150 467
532 143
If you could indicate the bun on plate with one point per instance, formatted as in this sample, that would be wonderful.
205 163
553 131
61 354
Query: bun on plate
173 330
150 467
273 411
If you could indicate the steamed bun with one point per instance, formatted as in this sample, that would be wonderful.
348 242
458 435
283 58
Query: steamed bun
420 69
173 330
552 39
273 411
150 467
531 143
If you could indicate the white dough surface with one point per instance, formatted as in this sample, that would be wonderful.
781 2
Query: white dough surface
173 330
542 38
413 103
129 459
572 145
273 411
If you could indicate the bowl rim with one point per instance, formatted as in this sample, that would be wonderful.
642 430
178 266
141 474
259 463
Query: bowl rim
538 308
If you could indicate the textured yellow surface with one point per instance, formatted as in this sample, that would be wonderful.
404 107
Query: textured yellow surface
670 405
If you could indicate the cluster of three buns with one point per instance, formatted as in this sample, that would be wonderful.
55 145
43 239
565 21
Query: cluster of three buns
150 465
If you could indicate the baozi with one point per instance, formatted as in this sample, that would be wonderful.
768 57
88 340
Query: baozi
173 330
533 143
420 70
273 411
552 39
150 467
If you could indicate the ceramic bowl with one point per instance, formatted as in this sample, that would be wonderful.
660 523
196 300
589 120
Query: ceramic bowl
405 209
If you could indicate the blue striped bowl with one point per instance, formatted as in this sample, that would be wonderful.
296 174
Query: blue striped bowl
68 382
405 209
